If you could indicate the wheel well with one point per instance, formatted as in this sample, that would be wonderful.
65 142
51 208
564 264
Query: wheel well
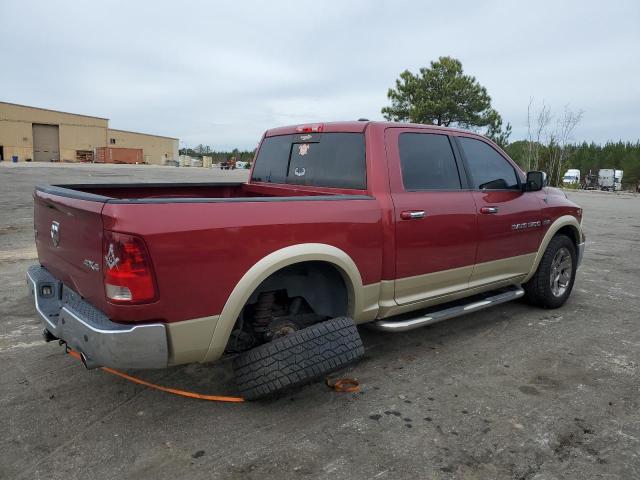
570 232
321 284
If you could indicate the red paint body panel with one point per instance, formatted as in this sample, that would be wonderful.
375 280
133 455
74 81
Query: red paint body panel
203 238
554 204
80 239
210 246
448 232
496 236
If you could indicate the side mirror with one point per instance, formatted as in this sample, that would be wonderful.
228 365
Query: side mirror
535 181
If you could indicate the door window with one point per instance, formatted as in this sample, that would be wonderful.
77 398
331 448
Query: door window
427 162
489 170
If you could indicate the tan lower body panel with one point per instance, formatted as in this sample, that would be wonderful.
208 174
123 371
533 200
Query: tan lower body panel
423 291
189 340
503 269
370 299
391 308
437 284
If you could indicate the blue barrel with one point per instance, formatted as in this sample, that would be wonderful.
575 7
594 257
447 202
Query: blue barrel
14 159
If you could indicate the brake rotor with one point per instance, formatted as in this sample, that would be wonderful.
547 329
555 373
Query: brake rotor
281 327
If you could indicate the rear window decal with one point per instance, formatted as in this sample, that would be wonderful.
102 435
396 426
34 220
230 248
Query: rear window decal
303 148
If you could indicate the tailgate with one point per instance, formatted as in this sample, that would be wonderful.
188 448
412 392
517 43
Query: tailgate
68 235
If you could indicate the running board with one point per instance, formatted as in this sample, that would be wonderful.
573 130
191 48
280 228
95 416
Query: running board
479 303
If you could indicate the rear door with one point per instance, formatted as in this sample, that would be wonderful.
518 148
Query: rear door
434 215
509 220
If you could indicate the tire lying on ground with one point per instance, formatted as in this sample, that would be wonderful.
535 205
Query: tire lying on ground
298 358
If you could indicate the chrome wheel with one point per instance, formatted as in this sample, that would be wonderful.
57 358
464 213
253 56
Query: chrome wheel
561 271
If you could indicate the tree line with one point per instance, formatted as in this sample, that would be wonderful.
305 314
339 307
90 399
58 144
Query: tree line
585 157
218 156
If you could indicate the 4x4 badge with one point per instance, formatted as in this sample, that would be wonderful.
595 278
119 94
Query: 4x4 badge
111 258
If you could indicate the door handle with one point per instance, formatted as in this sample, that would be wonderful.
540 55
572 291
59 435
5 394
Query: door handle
412 214
489 210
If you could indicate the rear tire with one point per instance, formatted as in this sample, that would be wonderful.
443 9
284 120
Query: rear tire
298 358
552 283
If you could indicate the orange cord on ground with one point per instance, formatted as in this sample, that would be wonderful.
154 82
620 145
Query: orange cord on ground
175 391
346 385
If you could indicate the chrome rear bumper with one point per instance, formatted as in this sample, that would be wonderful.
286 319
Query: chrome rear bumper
87 330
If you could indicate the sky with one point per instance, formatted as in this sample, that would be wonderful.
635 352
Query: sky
220 73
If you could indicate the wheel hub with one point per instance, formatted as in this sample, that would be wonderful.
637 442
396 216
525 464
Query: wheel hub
561 271
281 327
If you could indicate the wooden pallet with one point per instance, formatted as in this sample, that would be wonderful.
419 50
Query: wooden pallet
84 155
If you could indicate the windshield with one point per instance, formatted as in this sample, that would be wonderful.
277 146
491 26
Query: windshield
319 159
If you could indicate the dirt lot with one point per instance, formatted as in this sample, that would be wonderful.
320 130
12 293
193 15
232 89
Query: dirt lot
513 392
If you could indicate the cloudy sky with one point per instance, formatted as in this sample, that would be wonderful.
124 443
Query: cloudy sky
220 73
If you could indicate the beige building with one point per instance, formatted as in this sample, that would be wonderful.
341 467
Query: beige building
43 135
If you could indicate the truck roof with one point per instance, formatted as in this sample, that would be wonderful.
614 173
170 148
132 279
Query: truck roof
354 126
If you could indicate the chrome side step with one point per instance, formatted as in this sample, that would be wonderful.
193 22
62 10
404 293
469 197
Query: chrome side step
479 303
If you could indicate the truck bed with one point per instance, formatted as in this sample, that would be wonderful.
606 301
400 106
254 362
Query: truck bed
189 229
183 192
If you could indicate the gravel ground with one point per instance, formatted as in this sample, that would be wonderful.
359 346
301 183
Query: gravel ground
508 393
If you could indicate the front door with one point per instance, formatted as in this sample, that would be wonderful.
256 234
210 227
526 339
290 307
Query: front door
509 220
435 218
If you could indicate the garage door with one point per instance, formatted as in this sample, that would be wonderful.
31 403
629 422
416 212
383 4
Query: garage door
46 144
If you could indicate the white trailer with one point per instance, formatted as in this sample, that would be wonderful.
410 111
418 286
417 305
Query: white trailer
571 177
610 179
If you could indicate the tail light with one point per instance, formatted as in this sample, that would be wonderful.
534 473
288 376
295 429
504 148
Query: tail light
128 275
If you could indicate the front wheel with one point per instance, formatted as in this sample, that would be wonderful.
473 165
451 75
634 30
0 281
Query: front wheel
552 283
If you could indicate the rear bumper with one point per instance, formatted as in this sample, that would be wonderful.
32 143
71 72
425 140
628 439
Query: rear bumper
87 330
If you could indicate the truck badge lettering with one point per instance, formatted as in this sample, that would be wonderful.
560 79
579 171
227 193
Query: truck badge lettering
522 226
111 258
299 172
303 148
92 265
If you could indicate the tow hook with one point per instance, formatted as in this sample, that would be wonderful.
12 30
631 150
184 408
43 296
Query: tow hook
48 336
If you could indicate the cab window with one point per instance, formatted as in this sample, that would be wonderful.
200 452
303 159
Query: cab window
488 169
334 160
427 162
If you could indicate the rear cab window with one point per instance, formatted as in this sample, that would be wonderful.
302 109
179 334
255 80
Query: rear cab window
333 160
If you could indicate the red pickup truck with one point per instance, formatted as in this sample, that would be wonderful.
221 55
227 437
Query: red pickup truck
394 225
